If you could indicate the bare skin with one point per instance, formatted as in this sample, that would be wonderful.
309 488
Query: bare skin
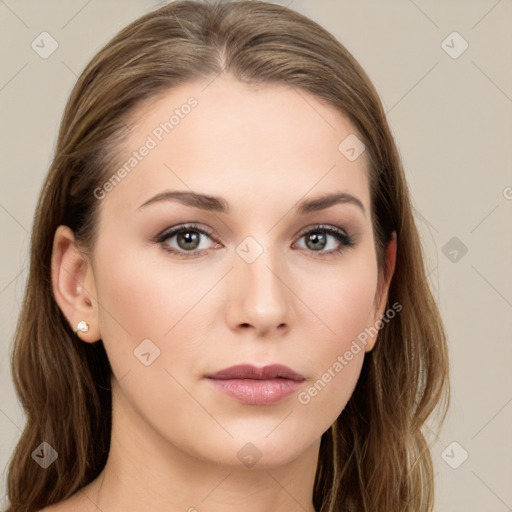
176 439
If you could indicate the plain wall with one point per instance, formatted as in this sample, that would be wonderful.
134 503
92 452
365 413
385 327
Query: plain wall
452 119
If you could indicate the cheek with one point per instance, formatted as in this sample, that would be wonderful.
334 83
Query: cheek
143 297
345 303
342 298
139 301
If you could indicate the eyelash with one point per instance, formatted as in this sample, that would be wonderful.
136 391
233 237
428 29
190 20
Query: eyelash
345 240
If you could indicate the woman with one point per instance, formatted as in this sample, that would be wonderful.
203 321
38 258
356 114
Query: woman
227 306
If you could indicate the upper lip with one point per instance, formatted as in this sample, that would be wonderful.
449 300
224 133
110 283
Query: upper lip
249 371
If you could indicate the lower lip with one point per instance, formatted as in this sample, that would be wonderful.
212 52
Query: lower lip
257 392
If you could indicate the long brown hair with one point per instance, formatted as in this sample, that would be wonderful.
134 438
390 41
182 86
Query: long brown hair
375 456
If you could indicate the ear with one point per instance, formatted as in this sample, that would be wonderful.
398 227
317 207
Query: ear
73 284
381 296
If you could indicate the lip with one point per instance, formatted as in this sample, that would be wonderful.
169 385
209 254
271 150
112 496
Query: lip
254 385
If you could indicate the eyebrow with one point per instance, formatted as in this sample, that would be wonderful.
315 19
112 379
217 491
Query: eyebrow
220 205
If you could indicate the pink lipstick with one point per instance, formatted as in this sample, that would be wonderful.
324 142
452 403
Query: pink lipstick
257 386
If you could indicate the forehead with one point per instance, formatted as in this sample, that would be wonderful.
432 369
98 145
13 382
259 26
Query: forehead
252 144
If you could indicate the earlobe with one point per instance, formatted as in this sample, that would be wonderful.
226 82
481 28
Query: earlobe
70 272
381 297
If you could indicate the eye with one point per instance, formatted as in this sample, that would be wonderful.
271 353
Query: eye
190 241
327 240
187 241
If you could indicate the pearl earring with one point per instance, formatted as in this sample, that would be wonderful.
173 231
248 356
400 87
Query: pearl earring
81 327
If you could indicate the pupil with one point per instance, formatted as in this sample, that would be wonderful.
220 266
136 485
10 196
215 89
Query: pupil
190 239
316 238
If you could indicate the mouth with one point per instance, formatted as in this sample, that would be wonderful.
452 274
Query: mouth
252 385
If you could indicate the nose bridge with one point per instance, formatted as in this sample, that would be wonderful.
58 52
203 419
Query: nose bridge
262 299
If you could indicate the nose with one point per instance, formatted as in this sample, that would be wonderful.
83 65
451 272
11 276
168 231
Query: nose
260 297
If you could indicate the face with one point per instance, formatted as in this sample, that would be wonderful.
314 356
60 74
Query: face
263 274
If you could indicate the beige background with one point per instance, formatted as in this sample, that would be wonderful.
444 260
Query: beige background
452 118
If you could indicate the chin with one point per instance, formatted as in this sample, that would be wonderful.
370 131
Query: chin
263 453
